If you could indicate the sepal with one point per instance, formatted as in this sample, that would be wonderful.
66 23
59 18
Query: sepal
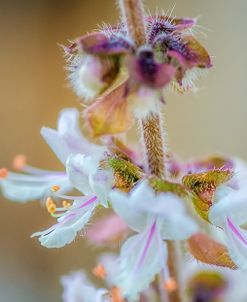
209 251
203 186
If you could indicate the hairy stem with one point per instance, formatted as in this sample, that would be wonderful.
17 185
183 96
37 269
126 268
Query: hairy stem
154 145
132 12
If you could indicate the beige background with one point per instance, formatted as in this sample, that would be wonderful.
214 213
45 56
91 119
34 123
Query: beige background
33 90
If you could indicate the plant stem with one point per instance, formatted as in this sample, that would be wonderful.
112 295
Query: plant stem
154 145
132 12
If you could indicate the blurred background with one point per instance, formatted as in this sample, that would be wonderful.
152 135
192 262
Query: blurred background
33 90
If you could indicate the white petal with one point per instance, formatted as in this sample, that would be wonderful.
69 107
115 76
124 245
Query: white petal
166 204
143 198
68 139
78 171
23 188
240 173
56 143
101 183
121 204
23 192
142 204
68 119
139 264
64 233
236 243
177 227
233 204
142 192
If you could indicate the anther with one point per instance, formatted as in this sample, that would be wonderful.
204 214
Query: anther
170 285
52 208
19 162
66 204
48 202
50 205
99 271
55 188
3 173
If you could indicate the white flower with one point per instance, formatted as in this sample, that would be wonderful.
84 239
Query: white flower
77 288
229 212
66 140
69 223
34 185
85 175
156 217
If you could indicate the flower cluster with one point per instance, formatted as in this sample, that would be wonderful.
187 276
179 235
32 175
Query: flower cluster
199 208
119 80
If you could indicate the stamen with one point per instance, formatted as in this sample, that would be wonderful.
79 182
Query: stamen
19 162
99 271
48 202
69 197
52 208
170 285
50 205
55 188
3 173
66 204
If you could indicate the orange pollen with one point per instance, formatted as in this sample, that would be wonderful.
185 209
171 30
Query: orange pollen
170 285
19 162
99 271
55 188
116 295
48 202
66 204
3 173
52 208
50 205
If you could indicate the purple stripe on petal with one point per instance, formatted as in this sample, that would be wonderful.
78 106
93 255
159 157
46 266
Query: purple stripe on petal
93 199
147 245
72 214
68 217
236 231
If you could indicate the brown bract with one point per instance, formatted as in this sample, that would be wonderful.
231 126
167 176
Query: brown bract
209 251
109 114
203 186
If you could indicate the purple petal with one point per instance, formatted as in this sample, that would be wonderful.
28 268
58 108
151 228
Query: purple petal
147 71
100 44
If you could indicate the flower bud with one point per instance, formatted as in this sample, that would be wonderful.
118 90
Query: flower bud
91 75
